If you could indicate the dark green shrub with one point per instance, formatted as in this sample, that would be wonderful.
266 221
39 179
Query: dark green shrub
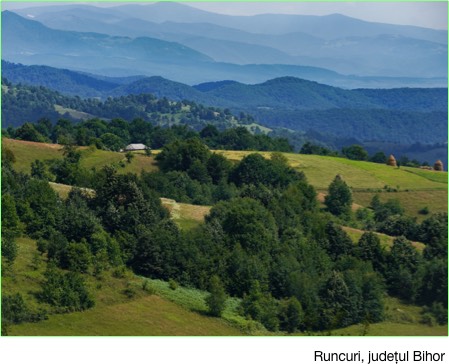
172 284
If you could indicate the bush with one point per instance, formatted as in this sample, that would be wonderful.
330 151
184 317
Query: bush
424 211
119 272
66 291
129 157
217 298
42 246
261 307
428 319
15 311
9 248
172 284
148 287
438 312
129 291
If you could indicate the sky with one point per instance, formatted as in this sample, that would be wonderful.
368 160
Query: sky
430 14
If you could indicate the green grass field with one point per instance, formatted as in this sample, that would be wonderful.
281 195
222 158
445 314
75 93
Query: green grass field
417 188
99 158
73 113
385 240
185 215
412 201
114 313
162 311
400 320
147 316
321 170
391 329
26 152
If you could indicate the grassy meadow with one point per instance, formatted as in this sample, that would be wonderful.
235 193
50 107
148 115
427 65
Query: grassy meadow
321 170
27 152
156 309
400 320
146 313
385 240
185 215
412 201
414 188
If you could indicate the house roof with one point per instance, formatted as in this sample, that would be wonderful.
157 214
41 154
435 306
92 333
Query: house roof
135 147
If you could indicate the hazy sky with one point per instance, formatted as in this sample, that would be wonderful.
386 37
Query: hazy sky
431 14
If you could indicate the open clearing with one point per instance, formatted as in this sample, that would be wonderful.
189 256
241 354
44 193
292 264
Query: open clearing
412 201
146 316
321 170
416 188
114 313
27 152
185 215
385 240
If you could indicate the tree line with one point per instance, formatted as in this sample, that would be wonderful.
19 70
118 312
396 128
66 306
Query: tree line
22 103
114 135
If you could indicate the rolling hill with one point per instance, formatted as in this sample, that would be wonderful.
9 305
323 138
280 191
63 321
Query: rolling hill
164 312
115 314
151 307
27 152
335 42
336 116
290 93
30 42
32 38
416 188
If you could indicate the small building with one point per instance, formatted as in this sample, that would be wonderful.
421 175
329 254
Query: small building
438 166
392 161
133 147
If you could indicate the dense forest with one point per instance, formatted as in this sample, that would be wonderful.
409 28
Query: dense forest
116 134
22 103
364 115
265 241
365 125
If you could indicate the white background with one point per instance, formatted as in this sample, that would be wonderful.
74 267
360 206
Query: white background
202 350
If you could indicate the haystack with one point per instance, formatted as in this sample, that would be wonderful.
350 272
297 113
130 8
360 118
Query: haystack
392 161
438 166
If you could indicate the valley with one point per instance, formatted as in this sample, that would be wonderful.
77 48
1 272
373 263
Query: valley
168 170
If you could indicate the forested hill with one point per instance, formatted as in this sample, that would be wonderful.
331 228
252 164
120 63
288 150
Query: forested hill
361 115
280 93
22 104
62 80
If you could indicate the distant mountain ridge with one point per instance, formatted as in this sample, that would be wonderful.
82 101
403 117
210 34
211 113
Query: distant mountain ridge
30 42
327 26
29 36
286 93
337 42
